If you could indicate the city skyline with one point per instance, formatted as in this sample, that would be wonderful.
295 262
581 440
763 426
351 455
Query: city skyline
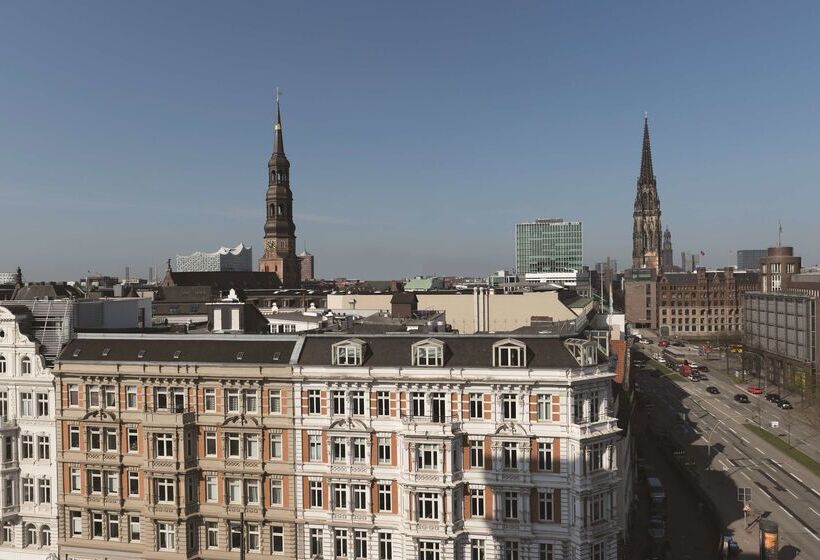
144 161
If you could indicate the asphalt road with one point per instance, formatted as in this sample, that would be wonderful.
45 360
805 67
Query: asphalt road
781 489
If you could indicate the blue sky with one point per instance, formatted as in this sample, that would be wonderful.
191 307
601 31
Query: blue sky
419 133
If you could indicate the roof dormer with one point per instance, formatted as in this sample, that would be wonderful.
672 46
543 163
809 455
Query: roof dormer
428 353
509 353
584 351
349 352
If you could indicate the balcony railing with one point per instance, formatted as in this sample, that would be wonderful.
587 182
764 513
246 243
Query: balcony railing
447 422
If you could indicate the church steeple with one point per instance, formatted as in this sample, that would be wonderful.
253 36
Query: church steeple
647 174
280 231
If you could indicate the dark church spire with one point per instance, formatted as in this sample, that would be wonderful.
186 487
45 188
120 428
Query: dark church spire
647 176
278 143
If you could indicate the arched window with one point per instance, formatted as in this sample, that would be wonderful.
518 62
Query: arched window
25 365
31 535
270 210
45 536
2 364
281 209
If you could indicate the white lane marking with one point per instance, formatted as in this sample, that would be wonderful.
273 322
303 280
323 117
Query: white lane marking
787 512
746 476
812 534
744 440
725 467
815 511
792 493
767 493
797 478
733 431
816 493
771 468
759 450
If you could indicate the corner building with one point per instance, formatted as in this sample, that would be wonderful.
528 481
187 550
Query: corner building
455 447
168 442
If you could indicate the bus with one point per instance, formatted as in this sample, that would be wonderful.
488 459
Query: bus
674 357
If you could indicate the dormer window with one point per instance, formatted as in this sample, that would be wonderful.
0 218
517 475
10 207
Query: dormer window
428 353
25 364
276 356
76 353
584 351
509 353
348 353
240 356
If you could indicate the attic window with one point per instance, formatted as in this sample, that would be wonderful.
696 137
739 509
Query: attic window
509 353
240 355
105 352
584 351
140 354
348 353
276 356
428 353
177 354
76 352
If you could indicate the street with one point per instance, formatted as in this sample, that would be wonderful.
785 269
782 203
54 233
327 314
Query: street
729 456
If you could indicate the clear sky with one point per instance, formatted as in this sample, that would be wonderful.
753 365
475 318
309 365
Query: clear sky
419 133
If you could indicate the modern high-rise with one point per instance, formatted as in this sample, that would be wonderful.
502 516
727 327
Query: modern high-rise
280 232
749 259
646 230
552 245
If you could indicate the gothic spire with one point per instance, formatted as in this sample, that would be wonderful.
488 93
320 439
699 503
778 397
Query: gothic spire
279 144
647 176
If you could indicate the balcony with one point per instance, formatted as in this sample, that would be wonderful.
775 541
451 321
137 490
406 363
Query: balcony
175 417
585 429
430 477
432 424
7 423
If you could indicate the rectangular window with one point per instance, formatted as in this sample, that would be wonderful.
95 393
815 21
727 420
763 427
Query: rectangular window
95 482
545 552
429 550
164 445
339 449
44 490
340 496
234 491
112 483
211 489
134 528
594 406
340 542
578 408
510 454
210 400
76 523
252 492
94 396
509 407
595 457
359 450
511 505
42 404
359 496
357 403
348 356
477 454
545 505
28 489
437 403
74 476
360 544
27 447
427 456
511 550
276 492
43 447
96 525
161 401
277 539
26 404
314 402
133 440
385 546
252 446
428 505
131 397
338 401
544 408
251 402
509 356
73 395
417 404
232 449
276 447
384 450
476 406
477 502
544 456
598 508
314 448
165 490
477 551
429 356
316 498
109 396
253 536
111 439
133 483
383 403
166 536
275 401
385 496
210 444
113 527
212 534
232 400
316 543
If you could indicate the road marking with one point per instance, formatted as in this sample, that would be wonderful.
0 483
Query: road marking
816 493
815 511
812 534
792 493
733 431
759 450
787 512
794 475
744 440
746 476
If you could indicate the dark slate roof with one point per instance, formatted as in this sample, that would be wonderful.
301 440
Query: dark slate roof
52 290
25 320
194 349
221 282
681 278
179 294
460 350
404 297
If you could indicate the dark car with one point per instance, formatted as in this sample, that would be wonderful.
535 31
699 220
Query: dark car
711 389
785 405
741 398
678 344
704 369
773 397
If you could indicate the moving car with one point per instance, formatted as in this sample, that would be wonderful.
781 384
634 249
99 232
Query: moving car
785 405
663 343
678 344
755 390
702 377
712 390
773 397
704 369
741 398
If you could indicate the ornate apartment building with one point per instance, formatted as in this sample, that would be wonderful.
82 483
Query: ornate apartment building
454 447
169 442
28 455
384 447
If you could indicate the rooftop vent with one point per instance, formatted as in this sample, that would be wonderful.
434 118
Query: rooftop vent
240 355
177 354
276 356
77 352
140 354
105 352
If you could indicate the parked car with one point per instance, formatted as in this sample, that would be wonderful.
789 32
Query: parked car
657 528
755 390
712 390
704 369
785 405
663 343
678 344
644 341
702 377
741 398
656 356
773 398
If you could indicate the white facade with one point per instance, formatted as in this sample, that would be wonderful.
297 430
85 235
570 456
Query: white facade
236 259
28 454
496 463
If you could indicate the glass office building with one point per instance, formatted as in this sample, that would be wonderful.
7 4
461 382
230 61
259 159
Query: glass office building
548 246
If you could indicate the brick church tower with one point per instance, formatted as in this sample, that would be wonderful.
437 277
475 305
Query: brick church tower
280 231
646 232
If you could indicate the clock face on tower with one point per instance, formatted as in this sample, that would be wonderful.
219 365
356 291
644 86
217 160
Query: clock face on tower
270 244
